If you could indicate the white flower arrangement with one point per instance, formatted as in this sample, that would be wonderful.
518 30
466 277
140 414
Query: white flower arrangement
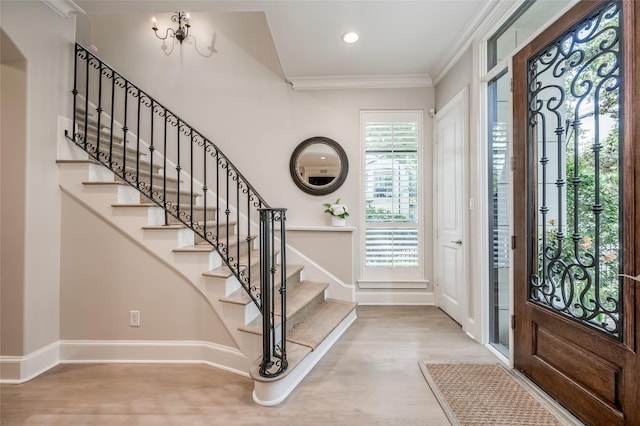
337 209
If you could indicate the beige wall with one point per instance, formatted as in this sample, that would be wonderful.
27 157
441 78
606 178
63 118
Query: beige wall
104 275
239 99
44 38
332 249
13 92
459 76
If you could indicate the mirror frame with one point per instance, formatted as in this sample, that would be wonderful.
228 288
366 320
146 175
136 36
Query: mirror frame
331 186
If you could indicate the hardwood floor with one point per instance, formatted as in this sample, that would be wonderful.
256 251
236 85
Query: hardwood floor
370 377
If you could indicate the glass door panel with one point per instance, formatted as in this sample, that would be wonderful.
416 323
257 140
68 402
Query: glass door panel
499 202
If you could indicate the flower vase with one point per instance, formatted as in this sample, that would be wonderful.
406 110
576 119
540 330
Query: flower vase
338 221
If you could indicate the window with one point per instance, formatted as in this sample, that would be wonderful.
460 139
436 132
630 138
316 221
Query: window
392 239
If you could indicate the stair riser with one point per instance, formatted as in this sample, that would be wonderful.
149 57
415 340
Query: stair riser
184 199
131 167
240 314
196 261
293 282
219 287
302 314
106 137
116 156
158 182
198 215
221 232
169 239
105 145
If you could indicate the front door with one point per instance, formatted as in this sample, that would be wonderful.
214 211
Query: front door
577 211
450 139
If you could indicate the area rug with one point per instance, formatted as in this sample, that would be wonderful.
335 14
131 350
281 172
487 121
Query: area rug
485 394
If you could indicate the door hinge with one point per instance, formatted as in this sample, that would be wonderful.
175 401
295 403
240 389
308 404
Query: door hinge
511 85
513 242
513 163
513 322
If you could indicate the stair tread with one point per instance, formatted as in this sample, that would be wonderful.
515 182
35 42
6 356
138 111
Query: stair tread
320 323
163 227
122 182
296 300
86 161
317 325
117 150
196 248
147 205
103 183
145 174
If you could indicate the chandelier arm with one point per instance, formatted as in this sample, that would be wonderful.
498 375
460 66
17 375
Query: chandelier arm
166 33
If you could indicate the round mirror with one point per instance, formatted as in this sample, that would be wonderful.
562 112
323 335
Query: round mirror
319 165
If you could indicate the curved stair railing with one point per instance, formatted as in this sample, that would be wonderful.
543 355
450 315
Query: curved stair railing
175 167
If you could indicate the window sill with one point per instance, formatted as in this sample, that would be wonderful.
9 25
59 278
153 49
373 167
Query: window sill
322 228
393 284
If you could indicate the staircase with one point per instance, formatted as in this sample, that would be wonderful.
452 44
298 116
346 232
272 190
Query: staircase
236 259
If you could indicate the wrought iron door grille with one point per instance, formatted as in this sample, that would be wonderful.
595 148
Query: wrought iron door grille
574 99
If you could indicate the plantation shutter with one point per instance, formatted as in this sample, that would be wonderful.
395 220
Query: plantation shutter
391 181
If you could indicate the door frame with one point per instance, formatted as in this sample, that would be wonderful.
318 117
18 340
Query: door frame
631 216
460 100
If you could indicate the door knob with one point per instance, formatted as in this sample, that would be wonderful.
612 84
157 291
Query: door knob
458 242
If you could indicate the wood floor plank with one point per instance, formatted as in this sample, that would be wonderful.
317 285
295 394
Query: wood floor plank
370 377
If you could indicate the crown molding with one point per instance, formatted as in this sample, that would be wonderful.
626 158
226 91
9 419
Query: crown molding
64 8
361 82
492 12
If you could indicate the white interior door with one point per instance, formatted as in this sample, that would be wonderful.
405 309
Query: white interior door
450 137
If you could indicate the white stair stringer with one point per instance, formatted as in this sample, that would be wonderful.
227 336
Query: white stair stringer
142 225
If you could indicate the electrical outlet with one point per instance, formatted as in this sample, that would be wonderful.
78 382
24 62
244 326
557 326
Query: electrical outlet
134 318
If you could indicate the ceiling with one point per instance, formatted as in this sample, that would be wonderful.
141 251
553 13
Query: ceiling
402 42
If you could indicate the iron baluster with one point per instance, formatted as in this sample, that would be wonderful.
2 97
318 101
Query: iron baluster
164 172
138 143
265 290
191 175
227 211
99 109
75 94
125 129
248 239
283 286
151 148
113 97
204 188
178 167
86 103
238 245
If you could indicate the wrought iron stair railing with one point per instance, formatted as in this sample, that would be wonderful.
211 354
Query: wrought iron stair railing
175 167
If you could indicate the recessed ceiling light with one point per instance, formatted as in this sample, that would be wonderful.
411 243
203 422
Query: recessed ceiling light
350 37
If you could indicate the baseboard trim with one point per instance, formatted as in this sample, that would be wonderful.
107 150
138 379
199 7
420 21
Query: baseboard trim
395 298
154 352
20 369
